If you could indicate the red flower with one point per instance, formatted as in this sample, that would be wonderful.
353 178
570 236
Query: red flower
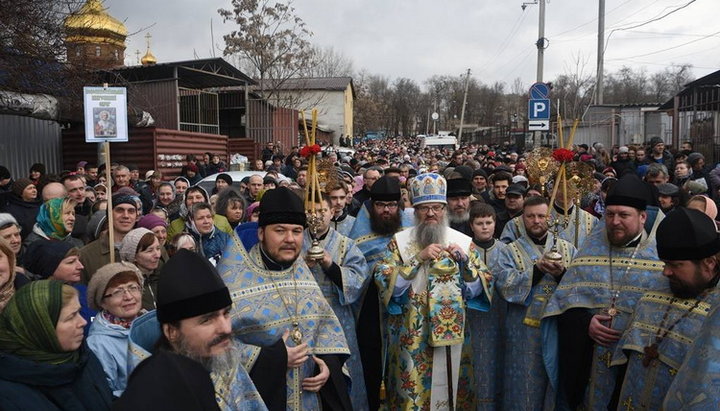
563 155
308 151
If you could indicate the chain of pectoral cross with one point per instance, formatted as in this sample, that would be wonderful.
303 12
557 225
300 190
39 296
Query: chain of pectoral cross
651 351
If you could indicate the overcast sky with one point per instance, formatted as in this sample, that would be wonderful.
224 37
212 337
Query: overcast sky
420 38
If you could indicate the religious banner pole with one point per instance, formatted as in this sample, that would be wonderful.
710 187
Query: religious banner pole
312 190
108 176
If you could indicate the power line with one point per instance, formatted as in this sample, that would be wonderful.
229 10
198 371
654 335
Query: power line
678 46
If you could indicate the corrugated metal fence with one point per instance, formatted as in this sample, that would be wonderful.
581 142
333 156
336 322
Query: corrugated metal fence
27 140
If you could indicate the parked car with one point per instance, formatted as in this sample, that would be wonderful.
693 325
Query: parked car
209 182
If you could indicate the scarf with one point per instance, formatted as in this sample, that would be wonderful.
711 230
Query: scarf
121 321
7 290
49 219
27 325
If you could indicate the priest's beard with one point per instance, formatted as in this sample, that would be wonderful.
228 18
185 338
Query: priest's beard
223 362
383 226
430 233
689 290
458 218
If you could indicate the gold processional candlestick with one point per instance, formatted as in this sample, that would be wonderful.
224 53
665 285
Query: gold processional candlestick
314 217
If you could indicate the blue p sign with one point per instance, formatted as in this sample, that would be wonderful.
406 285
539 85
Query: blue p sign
539 109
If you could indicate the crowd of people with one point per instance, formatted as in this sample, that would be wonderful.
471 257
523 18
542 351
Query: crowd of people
445 278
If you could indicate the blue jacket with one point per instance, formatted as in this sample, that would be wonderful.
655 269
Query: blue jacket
29 385
212 245
109 342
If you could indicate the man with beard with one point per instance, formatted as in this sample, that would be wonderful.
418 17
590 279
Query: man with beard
428 278
570 232
501 180
526 281
187 359
378 220
342 275
458 203
276 296
666 322
592 306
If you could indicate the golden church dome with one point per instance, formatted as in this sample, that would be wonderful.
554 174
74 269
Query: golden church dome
93 24
148 59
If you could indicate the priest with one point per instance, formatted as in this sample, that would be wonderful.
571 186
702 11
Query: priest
666 322
294 345
429 278
593 304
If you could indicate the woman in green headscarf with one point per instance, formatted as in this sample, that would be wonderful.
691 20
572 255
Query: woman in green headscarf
55 221
44 362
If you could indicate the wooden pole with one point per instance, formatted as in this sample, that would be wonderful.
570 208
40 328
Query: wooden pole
108 178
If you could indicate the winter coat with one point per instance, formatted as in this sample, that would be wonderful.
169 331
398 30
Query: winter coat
177 226
95 255
109 342
29 385
24 212
211 246
38 234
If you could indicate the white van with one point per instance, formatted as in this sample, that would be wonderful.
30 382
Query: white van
441 141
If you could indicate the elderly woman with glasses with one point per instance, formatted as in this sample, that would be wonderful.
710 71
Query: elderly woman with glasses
116 292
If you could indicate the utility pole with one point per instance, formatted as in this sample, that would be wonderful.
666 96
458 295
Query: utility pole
462 112
600 53
541 42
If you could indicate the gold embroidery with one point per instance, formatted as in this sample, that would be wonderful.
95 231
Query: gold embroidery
628 404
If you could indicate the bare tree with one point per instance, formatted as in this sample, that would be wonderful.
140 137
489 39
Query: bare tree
327 62
270 40
32 48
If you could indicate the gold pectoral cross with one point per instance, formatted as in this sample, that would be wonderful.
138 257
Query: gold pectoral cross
606 358
628 404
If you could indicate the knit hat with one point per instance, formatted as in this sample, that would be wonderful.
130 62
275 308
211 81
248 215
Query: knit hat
281 206
226 177
428 188
458 187
182 179
20 185
520 179
81 164
710 207
96 223
609 170
129 244
149 174
6 219
480 172
151 221
623 149
465 171
192 167
385 189
699 237
44 256
99 281
692 159
629 191
4 173
118 199
655 141
127 191
269 180
190 286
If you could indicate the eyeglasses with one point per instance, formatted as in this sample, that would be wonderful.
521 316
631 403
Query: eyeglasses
426 208
382 204
120 292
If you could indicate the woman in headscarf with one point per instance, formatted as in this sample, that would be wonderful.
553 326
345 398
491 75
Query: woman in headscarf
10 279
59 261
115 290
55 222
142 248
44 364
